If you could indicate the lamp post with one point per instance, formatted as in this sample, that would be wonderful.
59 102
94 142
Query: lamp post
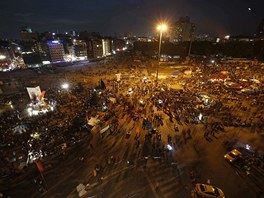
160 28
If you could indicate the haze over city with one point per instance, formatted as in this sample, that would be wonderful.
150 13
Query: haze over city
218 18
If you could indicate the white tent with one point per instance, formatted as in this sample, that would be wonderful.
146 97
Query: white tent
105 129
113 100
118 77
93 121
255 81
243 80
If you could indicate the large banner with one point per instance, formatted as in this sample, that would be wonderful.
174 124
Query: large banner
118 77
34 93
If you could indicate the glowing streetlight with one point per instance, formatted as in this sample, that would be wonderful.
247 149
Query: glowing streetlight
2 57
65 86
161 28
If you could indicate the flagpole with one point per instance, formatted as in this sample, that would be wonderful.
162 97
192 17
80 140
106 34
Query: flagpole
40 169
42 176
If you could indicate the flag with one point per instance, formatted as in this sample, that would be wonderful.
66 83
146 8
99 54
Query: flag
39 165
102 84
87 118
43 94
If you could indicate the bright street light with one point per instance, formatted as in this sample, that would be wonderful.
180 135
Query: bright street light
161 28
65 86
2 57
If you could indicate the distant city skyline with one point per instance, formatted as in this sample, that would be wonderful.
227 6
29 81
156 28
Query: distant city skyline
217 18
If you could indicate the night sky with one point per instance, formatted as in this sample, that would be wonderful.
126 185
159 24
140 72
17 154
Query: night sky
216 17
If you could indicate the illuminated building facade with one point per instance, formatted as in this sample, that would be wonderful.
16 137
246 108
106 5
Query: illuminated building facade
56 50
260 30
183 30
80 49
106 47
6 56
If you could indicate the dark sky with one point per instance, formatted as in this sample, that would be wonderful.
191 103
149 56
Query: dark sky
217 17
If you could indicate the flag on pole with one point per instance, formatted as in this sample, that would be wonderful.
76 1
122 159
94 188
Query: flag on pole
43 94
39 165
94 173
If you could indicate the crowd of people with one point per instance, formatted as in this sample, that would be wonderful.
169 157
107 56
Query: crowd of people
138 99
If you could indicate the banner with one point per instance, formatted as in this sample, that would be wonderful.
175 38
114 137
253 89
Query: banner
34 93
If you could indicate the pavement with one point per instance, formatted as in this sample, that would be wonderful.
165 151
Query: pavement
168 177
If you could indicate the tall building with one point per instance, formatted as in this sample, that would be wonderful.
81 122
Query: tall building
26 34
10 56
6 55
35 54
5 58
45 36
43 50
182 30
95 48
73 33
106 47
128 35
260 29
89 35
56 50
117 45
79 49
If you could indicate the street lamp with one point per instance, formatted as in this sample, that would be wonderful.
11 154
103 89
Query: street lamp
161 28
65 86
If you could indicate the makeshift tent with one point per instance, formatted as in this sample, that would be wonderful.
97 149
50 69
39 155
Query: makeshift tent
105 129
20 129
94 99
93 121
218 77
118 77
176 87
113 100
243 80
255 81
101 84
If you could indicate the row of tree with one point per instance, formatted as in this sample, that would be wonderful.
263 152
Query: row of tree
251 50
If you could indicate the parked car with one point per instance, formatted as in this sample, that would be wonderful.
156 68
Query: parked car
232 155
206 190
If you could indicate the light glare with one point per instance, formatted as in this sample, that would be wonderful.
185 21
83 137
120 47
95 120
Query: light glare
65 86
162 27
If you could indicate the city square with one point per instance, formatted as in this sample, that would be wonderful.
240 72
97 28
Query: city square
179 149
132 99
